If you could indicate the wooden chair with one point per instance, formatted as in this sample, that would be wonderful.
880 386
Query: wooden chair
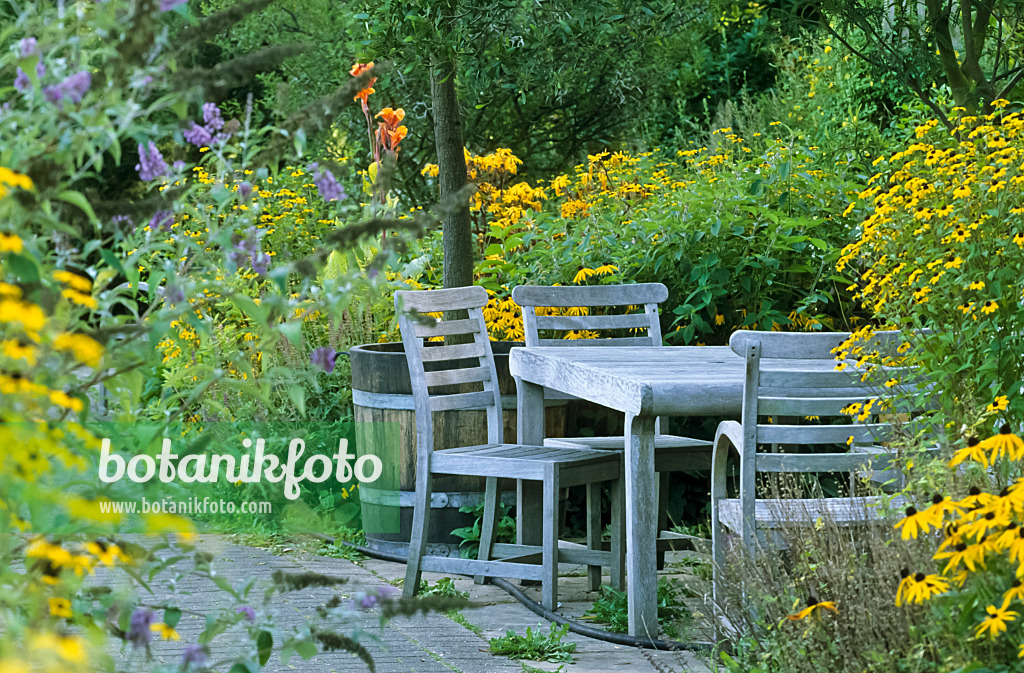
784 384
671 453
440 376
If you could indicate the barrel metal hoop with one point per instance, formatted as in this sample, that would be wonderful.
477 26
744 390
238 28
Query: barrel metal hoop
362 398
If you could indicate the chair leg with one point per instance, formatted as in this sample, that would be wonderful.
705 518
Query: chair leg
617 571
718 563
420 526
593 532
549 590
490 523
663 488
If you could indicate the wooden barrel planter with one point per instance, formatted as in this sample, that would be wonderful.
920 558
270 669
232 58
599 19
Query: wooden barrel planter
382 395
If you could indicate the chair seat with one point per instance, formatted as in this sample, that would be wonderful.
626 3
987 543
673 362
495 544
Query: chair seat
576 465
671 452
771 513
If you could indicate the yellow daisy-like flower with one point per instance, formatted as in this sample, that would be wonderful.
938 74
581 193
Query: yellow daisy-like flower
995 622
973 451
85 349
1000 404
977 285
166 632
73 280
582 275
990 307
80 298
60 607
1005 443
11 242
813 606
1014 593
917 588
916 522
719 319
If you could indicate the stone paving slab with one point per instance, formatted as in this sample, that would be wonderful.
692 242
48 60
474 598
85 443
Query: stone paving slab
431 643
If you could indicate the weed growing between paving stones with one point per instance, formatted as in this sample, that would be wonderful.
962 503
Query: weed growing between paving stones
460 618
470 545
674 617
535 645
443 587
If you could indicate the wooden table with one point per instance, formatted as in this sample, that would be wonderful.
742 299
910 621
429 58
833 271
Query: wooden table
644 383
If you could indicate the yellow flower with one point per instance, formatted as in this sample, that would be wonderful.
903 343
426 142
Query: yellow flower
1014 593
10 242
16 351
917 588
916 522
68 648
80 298
62 399
995 622
1004 443
60 607
973 451
1000 404
166 632
84 348
9 178
74 281
719 319
582 275
29 316
813 606
990 307
108 554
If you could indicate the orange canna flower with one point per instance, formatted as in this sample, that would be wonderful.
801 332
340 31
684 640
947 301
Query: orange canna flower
389 133
357 70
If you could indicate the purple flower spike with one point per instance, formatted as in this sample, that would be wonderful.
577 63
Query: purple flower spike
249 613
244 191
324 358
75 86
328 186
21 81
178 166
198 135
40 69
212 118
151 163
28 47
139 634
194 655
161 221
168 5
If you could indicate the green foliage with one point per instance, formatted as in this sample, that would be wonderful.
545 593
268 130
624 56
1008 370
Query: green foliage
442 587
535 645
673 614
504 532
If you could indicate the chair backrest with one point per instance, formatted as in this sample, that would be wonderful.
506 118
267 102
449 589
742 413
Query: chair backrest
794 375
435 370
648 295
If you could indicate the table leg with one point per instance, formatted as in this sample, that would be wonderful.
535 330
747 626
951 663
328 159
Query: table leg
529 494
641 527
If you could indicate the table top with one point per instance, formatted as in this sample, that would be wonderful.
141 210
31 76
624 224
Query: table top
665 381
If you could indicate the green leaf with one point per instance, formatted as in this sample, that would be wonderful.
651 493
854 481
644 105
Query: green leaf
264 646
306 649
172 616
297 394
78 200
293 331
112 261
24 267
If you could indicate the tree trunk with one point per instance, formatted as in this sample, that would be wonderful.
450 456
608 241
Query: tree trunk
456 237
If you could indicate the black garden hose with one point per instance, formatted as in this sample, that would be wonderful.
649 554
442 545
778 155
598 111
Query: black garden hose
538 609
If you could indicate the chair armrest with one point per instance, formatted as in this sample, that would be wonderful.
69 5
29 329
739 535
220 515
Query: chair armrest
728 436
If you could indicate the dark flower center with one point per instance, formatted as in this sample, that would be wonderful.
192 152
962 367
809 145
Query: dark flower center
911 511
1005 430
937 498
919 577
974 491
973 441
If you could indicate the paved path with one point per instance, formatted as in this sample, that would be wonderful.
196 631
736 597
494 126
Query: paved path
431 643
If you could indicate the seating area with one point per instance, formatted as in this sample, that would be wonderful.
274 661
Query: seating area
785 399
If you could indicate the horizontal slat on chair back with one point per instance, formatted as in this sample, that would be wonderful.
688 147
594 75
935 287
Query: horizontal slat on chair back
450 377
619 341
475 400
809 406
820 462
808 377
823 434
446 328
454 352
592 295
808 345
593 322
433 301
